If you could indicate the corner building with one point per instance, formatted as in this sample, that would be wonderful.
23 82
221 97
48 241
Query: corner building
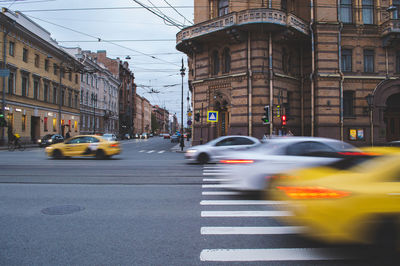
314 62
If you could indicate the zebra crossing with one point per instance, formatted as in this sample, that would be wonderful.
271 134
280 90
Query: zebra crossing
221 206
152 151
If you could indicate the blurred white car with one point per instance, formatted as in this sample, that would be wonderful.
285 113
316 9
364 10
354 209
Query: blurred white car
109 137
250 170
211 151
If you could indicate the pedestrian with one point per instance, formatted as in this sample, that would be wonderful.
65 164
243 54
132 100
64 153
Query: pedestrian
68 135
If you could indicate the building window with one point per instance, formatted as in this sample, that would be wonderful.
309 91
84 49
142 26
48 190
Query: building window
369 61
223 7
24 86
23 122
215 63
284 5
45 124
346 60
76 126
45 92
55 95
76 101
76 78
35 89
346 11
11 48
87 98
368 11
36 60
55 67
285 57
70 75
11 83
87 79
398 62
396 13
69 99
348 103
227 60
46 64
25 55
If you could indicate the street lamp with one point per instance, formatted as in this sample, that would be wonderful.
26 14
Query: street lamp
182 140
370 101
94 101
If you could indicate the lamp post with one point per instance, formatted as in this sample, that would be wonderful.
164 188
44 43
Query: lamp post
370 102
182 139
94 101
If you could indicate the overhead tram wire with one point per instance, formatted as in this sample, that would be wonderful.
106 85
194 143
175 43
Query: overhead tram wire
175 22
137 40
177 11
98 8
101 40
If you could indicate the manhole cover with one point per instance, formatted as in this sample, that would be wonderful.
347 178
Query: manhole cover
62 210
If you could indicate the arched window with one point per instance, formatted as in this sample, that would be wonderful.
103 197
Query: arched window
215 63
227 60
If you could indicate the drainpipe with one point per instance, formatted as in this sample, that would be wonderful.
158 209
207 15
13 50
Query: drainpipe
302 92
312 68
250 76
271 88
341 80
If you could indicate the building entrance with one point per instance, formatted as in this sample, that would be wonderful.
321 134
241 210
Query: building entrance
35 127
392 117
223 123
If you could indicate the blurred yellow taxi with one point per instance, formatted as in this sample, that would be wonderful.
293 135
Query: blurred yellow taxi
84 145
357 206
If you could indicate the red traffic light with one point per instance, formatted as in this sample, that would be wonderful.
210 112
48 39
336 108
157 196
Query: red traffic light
283 119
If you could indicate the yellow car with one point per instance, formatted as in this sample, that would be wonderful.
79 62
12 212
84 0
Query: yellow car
358 206
84 145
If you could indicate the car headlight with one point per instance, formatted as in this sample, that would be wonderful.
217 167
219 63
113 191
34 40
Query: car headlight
50 140
39 141
191 151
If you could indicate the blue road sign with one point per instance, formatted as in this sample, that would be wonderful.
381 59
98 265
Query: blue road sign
212 116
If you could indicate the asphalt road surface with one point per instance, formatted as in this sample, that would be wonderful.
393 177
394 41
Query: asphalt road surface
144 207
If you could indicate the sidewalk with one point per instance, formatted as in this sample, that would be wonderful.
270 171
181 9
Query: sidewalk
177 147
27 146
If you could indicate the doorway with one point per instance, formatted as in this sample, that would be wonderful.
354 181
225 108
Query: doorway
35 128
392 117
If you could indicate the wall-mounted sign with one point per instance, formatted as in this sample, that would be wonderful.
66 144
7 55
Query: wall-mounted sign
356 134
212 116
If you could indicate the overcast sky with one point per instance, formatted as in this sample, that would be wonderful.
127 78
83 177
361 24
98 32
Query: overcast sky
141 35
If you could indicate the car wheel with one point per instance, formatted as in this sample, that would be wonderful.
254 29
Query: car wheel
57 154
100 155
203 158
385 235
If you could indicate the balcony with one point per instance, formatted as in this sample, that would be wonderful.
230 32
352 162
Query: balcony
390 32
247 17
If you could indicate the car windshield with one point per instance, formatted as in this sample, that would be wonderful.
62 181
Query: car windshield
47 136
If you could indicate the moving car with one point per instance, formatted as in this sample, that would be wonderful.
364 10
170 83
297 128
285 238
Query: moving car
165 135
110 137
250 170
50 139
357 206
211 151
174 138
84 145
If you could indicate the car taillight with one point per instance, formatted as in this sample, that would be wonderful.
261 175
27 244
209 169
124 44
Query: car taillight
114 145
313 193
350 153
236 161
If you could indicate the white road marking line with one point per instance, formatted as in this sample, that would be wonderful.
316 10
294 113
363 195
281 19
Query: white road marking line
142 151
151 151
269 230
279 254
216 179
245 213
214 186
212 167
220 193
216 173
240 202
161 151
217 170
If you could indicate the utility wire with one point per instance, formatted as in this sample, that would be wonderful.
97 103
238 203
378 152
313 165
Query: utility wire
99 8
100 40
178 12
175 23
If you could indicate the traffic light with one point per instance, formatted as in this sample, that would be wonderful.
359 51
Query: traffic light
283 119
197 117
3 122
265 117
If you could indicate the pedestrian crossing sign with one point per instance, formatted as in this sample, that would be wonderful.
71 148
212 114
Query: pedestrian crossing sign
212 116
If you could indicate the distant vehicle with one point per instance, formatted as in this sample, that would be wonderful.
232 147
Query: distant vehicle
166 136
175 138
151 135
50 139
210 151
109 137
144 136
84 145
251 169
126 136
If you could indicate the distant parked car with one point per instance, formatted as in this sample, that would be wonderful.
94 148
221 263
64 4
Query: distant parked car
144 136
174 138
126 136
50 139
166 136
109 137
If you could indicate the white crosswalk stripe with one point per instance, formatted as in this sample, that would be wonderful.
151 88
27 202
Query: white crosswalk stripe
151 151
220 193
267 230
216 179
240 202
245 213
161 151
